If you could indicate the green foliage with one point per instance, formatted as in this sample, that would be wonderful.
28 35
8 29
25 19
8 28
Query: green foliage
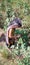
6 54
24 37
21 8
9 12
26 8
20 63
2 6
26 61
1 21
17 32
20 41
9 0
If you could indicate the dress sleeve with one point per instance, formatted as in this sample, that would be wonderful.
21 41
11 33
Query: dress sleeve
7 35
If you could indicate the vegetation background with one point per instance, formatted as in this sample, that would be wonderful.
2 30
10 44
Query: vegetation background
8 10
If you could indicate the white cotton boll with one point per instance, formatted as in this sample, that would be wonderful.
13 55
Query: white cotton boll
28 48
12 46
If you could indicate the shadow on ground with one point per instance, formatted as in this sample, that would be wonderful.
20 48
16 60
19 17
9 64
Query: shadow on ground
2 38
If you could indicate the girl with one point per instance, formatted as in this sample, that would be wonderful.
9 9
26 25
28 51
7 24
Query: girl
10 37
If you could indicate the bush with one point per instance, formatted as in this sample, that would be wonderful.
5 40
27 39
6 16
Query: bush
26 61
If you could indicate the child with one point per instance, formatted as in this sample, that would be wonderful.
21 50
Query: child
10 37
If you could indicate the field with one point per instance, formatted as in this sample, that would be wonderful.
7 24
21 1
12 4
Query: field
20 55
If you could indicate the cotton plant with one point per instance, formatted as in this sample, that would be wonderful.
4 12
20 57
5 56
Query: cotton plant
12 17
28 48
6 23
20 41
19 45
21 48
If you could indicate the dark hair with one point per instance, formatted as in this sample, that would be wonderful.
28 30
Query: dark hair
17 21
